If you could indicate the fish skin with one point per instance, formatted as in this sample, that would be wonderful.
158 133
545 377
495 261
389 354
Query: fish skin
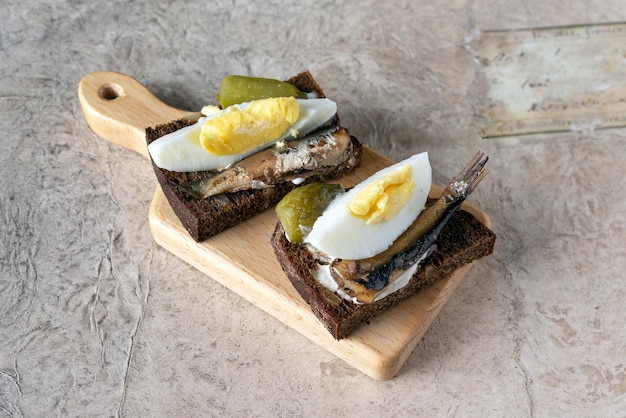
364 279
285 162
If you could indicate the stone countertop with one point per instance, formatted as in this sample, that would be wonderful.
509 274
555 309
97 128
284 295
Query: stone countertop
98 320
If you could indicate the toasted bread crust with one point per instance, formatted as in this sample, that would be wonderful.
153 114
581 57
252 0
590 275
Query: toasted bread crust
463 240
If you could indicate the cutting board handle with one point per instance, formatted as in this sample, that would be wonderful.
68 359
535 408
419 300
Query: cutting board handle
119 108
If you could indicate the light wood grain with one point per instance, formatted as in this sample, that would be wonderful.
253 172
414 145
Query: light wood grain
119 108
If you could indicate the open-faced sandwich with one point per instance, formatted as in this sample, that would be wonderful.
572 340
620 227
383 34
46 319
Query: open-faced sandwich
354 253
237 158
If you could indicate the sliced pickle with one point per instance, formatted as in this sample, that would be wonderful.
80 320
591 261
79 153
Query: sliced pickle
299 209
237 89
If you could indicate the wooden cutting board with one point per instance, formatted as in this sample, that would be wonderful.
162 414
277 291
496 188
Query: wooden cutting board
119 108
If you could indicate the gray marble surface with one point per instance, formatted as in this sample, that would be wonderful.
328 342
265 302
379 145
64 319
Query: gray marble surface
98 320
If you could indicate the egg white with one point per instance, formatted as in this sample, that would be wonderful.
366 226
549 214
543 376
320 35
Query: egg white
342 235
181 150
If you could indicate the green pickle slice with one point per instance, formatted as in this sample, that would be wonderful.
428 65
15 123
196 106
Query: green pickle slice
237 89
299 209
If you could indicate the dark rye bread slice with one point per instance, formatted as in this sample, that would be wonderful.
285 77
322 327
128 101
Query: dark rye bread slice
462 240
203 218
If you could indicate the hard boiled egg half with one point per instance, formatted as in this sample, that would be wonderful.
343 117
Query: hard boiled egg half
366 220
226 136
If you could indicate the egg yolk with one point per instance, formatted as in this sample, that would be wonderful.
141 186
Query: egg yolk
381 200
239 130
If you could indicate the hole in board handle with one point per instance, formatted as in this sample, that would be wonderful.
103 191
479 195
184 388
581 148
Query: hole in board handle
110 92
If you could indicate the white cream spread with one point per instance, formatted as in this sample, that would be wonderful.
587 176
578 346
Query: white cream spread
323 276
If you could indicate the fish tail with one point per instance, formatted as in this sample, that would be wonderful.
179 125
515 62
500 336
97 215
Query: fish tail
466 181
